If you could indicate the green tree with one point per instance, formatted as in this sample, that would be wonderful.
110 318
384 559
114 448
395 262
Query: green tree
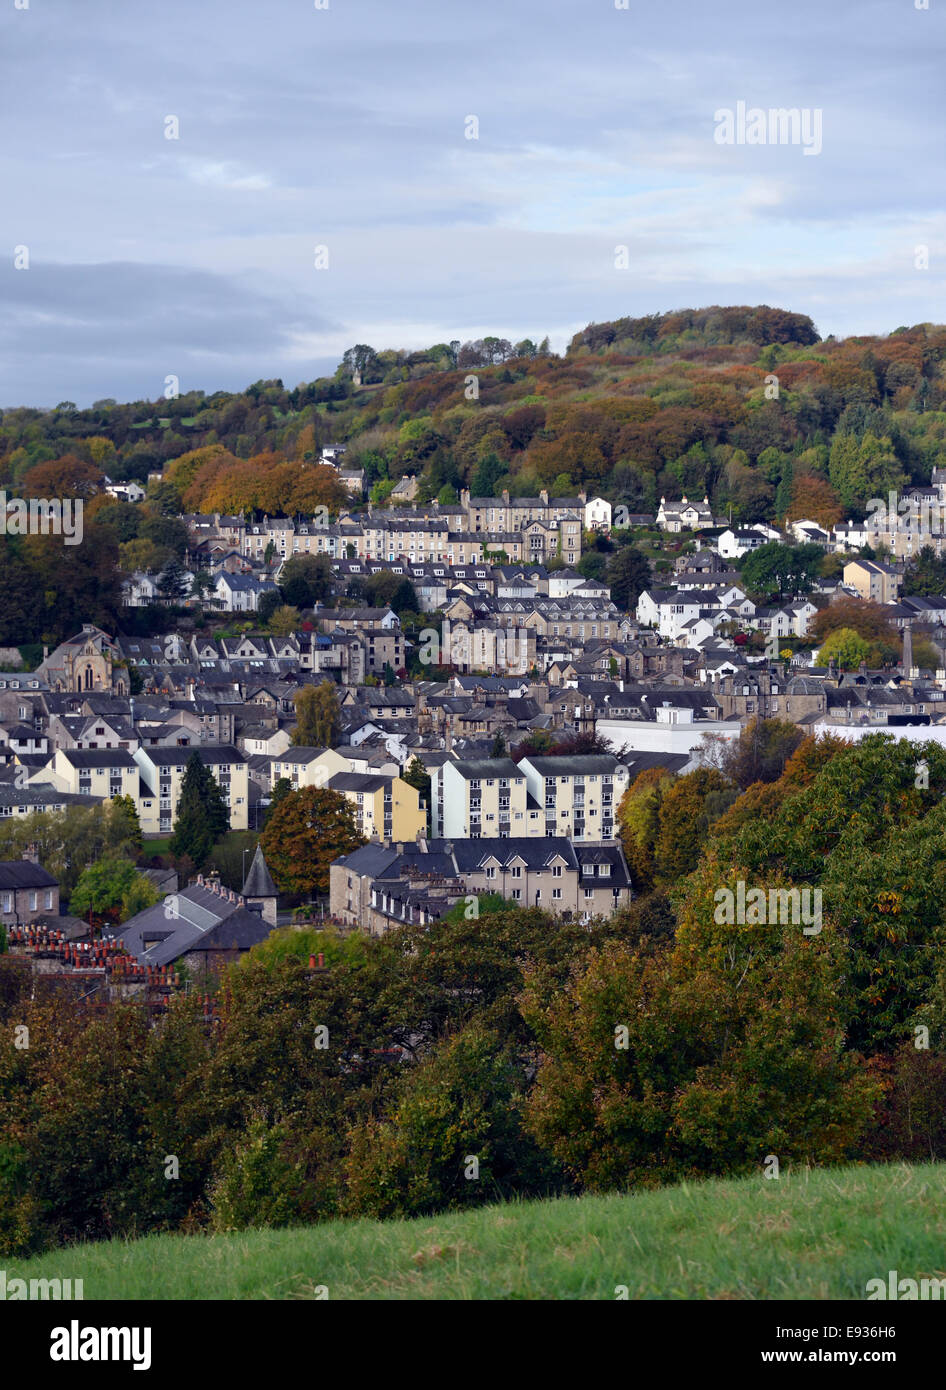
682 1060
628 575
318 716
127 825
387 590
202 816
862 468
112 887
462 1107
172 581
270 601
845 648
925 575
777 569
306 580
66 842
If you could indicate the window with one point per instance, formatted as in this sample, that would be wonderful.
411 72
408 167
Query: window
589 893
556 894
556 870
516 871
517 894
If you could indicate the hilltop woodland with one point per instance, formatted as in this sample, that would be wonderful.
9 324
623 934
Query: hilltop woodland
745 405
641 1049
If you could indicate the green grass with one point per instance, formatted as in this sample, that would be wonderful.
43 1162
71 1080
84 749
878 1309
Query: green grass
816 1235
160 845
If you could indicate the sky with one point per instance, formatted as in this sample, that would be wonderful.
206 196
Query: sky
325 187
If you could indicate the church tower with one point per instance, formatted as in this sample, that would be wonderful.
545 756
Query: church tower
259 890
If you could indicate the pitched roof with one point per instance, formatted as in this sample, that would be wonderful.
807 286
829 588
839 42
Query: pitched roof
259 881
23 873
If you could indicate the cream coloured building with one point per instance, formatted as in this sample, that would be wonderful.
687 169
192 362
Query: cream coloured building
385 808
485 798
162 772
579 795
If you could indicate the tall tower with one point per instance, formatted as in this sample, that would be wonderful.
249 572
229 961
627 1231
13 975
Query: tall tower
906 664
259 888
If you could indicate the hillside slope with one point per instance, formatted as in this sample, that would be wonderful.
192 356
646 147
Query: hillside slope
816 1235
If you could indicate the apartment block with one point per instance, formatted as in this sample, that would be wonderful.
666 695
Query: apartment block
386 808
578 795
483 798
98 772
308 767
162 772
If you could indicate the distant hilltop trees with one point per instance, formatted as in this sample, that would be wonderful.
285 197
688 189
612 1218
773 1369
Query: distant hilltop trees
710 327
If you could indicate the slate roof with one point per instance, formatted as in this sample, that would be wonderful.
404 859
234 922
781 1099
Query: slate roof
358 782
259 881
577 765
204 921
23 873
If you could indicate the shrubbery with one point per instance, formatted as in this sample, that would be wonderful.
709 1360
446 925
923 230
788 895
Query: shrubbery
520 1054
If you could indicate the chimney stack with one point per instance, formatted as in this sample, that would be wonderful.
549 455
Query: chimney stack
906 664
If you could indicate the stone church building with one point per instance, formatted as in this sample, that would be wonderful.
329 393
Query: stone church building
85 662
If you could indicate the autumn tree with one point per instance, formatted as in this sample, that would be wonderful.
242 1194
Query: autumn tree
285 620
68 476
638 822
867 619
813 498
304 833
687 810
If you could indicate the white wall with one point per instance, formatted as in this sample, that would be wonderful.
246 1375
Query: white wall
647 737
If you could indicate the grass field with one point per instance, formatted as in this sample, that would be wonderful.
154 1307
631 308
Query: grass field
820 1235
